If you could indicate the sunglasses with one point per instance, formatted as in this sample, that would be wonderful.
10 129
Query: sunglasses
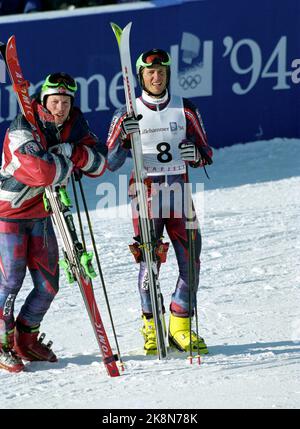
56 80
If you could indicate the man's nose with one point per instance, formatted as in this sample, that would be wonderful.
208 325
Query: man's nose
60 107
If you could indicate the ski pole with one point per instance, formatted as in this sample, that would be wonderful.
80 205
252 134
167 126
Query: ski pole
78 211
100 270
191 235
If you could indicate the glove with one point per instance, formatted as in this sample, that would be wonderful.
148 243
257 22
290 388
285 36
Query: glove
65 149
130 125
188 151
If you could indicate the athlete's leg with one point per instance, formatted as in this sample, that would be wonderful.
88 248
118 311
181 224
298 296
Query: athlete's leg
43 266
13 261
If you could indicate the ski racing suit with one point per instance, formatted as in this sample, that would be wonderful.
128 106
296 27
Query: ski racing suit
27 238
165 123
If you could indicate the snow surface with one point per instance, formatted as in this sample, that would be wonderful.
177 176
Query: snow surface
248 301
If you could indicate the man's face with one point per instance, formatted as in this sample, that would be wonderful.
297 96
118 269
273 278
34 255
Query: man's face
155 79
59 106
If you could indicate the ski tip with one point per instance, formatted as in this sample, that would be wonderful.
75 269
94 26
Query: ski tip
118 30
11 43
12 39
128 26
114 26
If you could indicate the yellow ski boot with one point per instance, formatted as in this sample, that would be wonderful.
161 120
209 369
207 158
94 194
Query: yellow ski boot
149 334
179 336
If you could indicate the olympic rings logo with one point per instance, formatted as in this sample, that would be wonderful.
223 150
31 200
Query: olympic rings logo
190 81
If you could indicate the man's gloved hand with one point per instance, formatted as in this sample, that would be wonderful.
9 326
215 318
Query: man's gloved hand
130 125
65 149
188 151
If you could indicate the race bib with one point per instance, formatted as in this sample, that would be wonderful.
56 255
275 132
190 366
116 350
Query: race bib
161 133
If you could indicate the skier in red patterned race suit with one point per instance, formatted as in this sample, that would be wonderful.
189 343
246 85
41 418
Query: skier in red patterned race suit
172 137
27 238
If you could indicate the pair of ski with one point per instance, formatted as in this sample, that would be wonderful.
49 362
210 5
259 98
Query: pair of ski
77 262
148 239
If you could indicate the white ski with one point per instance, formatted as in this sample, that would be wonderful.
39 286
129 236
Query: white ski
146 224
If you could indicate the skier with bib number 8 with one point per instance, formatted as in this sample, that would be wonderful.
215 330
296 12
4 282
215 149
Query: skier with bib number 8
27 238
172 137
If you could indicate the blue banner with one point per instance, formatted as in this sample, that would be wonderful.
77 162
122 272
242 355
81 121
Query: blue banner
232 59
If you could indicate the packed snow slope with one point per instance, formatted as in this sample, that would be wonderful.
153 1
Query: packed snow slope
248 300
